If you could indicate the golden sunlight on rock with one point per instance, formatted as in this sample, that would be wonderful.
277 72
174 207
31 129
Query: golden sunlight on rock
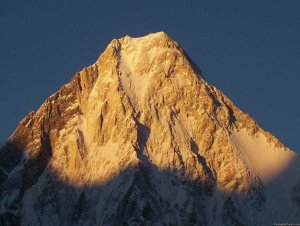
142 120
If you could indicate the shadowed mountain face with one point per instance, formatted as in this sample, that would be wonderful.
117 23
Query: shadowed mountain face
140 138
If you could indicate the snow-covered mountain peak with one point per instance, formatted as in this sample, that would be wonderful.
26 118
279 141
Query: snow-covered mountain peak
141 53
140 138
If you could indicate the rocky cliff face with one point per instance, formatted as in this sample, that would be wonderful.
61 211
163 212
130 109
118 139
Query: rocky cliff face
140 138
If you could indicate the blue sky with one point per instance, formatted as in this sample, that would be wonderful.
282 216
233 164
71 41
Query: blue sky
248 49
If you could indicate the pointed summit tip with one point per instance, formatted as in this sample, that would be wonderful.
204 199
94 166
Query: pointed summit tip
156 35
142 45
160 34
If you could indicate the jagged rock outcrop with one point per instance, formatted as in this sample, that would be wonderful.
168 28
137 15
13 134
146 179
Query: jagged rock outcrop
140 138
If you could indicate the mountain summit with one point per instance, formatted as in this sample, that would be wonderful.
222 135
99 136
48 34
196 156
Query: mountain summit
140 138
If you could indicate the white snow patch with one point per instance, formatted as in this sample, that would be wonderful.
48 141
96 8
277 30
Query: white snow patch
263 157
134 84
